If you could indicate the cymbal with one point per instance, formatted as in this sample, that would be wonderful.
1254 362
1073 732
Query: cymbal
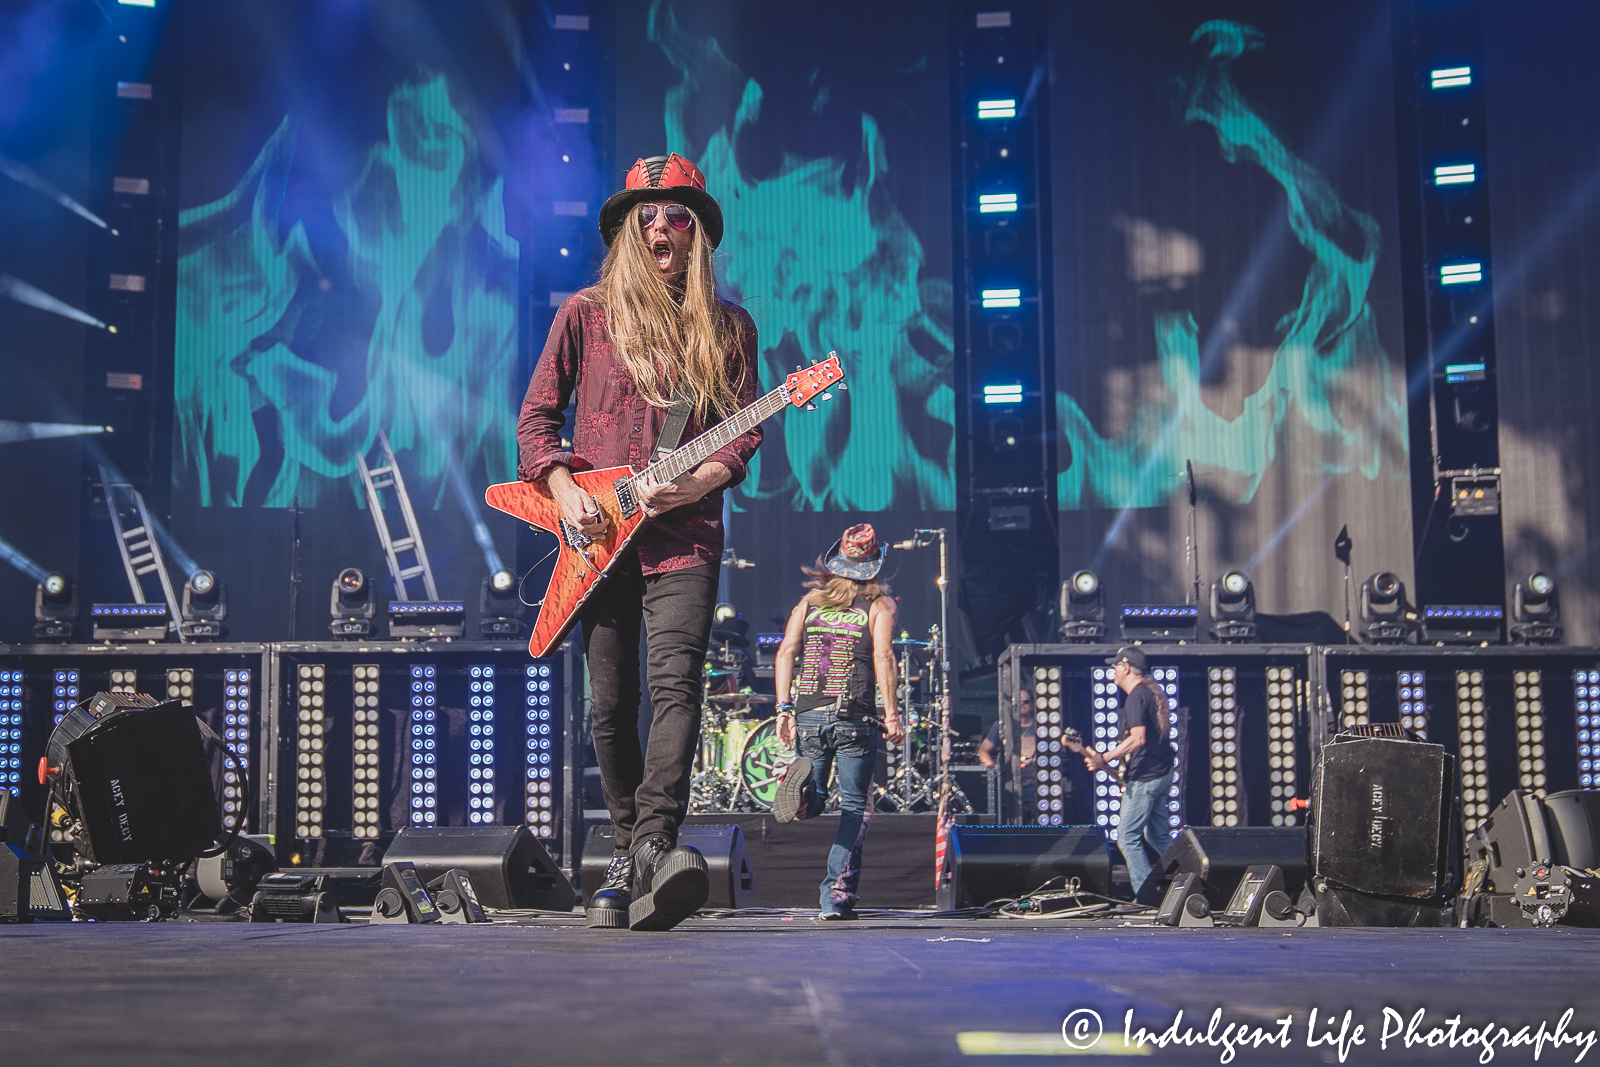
742 698
911 642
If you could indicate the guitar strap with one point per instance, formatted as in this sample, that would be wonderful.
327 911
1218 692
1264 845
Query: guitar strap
677 419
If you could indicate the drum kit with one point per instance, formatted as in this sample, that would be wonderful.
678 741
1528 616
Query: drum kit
740 757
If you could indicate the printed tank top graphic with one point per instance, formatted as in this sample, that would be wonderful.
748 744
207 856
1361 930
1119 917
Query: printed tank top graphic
837 654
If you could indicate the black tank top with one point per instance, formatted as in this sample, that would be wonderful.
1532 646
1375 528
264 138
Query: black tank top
836 658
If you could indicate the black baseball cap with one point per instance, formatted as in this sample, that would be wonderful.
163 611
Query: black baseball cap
1132 655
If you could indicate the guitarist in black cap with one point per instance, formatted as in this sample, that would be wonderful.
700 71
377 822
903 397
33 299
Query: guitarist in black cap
1144 753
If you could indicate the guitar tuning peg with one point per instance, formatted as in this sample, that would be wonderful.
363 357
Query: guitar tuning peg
811 407
826 396
843 388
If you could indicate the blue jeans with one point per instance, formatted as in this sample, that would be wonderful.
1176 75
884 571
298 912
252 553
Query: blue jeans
1142 831
854 747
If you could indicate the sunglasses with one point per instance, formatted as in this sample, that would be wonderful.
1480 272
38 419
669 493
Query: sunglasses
678 215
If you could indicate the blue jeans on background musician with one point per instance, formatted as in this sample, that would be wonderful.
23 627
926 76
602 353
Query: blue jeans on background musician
853 746
1142 830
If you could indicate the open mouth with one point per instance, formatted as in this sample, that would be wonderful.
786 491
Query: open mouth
661 248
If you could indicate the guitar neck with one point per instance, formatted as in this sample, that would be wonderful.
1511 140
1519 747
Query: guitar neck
687 457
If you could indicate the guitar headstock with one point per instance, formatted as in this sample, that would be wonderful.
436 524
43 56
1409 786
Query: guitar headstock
816 379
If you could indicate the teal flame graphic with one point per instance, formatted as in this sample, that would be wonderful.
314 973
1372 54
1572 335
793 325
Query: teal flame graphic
824 267
429 258
1329 372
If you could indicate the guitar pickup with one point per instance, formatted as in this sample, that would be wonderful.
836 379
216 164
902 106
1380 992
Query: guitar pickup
575 538
625 501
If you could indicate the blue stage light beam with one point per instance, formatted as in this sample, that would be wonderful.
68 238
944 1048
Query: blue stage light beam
11 432
480 529
14 556
23 174
23 293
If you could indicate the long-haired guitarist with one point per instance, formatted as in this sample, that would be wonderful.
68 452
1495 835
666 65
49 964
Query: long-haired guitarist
651 345
1145 753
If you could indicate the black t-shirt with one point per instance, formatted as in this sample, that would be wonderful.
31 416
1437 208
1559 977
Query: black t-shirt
1154 758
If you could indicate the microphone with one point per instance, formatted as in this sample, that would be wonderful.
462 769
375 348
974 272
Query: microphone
908 544
743 564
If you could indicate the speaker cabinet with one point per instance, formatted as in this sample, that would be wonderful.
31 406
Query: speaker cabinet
1514 836
508 866
1574 822
1382 817
733 878
984 863
28 888
1220 855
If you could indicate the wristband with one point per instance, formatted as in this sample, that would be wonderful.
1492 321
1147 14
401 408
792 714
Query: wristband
786 709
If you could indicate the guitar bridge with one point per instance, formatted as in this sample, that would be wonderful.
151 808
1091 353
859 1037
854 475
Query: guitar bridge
625 501
575 538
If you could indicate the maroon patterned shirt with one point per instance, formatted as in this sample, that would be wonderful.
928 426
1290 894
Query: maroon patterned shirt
615 427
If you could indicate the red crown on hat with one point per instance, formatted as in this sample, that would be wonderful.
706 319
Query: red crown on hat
665 173
859 542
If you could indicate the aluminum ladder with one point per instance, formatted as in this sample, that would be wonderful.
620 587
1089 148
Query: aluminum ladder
387 476
136 541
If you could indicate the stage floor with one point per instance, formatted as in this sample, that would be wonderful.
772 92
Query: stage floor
763 991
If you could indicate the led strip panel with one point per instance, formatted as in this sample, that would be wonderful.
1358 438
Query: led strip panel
1107 798
1354 705
1049 752
364 761
236 709
1281 685
480 754
65 694
310 774
10 731
1471 717
543 742
1412 687
1528 692
1586 695
424 751
124 681
1223 704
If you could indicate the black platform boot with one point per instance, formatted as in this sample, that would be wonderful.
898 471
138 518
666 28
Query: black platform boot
669 884
608 907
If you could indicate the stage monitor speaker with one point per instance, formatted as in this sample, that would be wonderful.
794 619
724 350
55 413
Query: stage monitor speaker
28 888
1514 836
139 780
1220 855
508 866
1574 826
987 863
733 877
1382 817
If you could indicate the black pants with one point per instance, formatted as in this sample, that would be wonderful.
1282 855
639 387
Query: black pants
647 792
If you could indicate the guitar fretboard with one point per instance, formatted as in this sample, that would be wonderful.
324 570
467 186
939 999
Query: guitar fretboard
687 457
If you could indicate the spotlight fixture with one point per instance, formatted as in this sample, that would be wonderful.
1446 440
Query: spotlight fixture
1537 610
500 606
427 618
1462 624
723 613
1160 622
1082 609
351 606
1233 608
204 606
56 609
129 622
1386 617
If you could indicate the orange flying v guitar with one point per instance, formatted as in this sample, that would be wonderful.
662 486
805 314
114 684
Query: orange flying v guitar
582 561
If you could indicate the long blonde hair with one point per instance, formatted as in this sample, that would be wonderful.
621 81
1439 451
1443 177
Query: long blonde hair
829 590
663 336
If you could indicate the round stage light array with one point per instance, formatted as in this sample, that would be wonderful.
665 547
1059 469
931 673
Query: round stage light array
539 701
1353 704
65 695
480 757
1049 753
1167 679
1529 694
10 731
1222 685
180 684
364 760
1281 700
424 745
1586 693
310 775
1107 800
236 726
1471 717
125 681
1411 688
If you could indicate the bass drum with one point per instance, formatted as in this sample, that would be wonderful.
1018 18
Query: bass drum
759 764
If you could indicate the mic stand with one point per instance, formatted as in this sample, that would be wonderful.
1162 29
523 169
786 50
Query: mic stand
1193 545
1347 603
294 567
